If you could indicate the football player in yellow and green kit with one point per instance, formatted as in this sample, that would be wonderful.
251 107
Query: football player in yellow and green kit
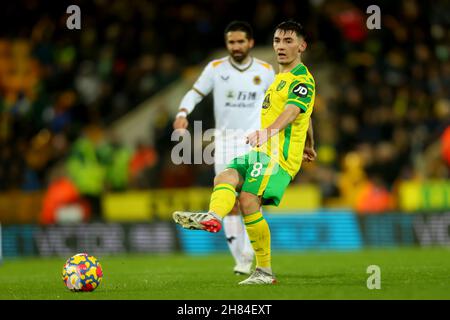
284 140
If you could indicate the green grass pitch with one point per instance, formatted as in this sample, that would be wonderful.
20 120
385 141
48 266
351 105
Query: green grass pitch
409 273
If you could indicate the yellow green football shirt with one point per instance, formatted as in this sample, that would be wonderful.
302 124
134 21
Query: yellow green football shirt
296 87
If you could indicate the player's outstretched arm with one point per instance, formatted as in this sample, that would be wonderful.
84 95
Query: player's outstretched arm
201 88
187 105
259 137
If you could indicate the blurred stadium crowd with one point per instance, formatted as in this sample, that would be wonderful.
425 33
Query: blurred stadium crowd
387 118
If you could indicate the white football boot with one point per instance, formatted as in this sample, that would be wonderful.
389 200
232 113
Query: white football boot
208 221
259 277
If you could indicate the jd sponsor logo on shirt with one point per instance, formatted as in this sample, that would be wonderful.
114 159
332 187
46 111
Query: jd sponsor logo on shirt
300 90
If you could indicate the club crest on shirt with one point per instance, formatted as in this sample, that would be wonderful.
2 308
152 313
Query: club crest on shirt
281 85
266 102
257 80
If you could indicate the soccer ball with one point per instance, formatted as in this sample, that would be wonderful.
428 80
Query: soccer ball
82 272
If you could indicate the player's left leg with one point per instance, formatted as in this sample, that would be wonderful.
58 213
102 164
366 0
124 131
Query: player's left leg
265 184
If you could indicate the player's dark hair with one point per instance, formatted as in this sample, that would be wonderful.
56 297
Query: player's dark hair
240 26
292 25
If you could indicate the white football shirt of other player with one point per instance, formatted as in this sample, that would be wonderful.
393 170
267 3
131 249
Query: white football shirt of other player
238 95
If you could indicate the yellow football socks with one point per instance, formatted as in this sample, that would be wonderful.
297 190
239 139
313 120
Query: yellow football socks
222 199
259 234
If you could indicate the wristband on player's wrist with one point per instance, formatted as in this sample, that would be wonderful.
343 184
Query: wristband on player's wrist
181 113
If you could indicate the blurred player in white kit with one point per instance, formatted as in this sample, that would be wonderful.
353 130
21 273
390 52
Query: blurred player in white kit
238 82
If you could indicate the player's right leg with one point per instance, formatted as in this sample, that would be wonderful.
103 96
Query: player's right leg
222 202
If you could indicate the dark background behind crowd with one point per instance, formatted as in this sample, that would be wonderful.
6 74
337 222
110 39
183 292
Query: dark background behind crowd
383 120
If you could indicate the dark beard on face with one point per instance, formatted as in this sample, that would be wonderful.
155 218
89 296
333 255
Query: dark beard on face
239 58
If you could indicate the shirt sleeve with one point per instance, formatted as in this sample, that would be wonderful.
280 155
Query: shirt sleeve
190 100
205 82
202 87
300 93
